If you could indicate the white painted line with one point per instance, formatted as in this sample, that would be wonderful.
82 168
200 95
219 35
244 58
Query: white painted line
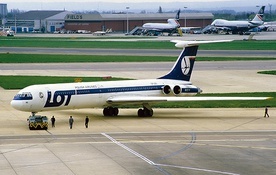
129 149
197 169
164 165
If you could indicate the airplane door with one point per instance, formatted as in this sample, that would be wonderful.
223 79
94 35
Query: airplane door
39 100
42 97
99 89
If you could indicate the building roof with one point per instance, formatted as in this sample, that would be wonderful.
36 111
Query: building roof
157 16
38 14
151 16
59 16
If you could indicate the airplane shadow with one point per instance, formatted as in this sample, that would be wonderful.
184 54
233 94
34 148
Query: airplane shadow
164 114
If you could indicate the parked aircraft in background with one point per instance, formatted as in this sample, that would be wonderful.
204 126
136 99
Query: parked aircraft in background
109 95
268 26
238 27
171 27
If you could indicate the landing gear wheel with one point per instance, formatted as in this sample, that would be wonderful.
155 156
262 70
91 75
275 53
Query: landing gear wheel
145 112
110 111
140 113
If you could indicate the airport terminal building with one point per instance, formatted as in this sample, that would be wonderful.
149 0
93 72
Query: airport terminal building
49 21
122 22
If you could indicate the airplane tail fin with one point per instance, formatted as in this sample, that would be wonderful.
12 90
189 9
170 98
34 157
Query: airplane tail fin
174 21
183 67
177 15
259 16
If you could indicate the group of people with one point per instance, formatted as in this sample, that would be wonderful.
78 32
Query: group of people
71 122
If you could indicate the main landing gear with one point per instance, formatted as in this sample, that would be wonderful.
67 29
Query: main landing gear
110 111
146 111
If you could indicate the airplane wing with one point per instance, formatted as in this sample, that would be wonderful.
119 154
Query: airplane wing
148 99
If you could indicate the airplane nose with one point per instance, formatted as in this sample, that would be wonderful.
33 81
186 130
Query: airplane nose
16 104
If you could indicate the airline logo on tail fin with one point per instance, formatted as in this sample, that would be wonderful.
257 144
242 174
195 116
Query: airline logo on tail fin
186 64
261 11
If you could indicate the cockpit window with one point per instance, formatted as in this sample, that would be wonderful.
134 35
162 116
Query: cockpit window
23 96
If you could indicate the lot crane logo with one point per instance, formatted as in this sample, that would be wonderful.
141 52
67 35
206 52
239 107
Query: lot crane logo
59 98
186 64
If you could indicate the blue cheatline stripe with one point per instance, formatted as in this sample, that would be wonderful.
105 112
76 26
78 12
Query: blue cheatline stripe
65 92
104 91
118 89
189 90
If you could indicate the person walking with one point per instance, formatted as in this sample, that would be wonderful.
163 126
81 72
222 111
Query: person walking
86 121
53 120
71 121
266 112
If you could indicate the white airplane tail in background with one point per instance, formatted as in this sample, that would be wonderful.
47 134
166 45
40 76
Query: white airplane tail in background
259 16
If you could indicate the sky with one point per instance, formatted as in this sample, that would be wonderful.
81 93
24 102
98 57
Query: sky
120 5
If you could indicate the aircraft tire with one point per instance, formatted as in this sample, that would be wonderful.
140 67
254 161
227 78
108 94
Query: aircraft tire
105 111
110 111
115 111
140 113
145 112
148 112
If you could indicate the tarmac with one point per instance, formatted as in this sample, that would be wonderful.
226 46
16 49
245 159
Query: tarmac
174 141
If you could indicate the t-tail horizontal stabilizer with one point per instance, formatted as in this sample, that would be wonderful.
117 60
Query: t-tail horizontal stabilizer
182 44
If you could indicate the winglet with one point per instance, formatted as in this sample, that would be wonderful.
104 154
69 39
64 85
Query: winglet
182 44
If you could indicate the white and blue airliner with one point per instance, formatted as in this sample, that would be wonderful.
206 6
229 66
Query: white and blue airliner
175 86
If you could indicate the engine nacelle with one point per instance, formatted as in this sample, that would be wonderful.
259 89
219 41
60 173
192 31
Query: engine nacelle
171 89
166 89
177 90
181 90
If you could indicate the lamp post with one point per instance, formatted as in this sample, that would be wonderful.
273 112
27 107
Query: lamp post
185 18
15 28
127 8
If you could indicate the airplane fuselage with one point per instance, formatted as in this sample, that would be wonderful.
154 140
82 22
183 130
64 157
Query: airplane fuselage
38 98
235 25
169 27
159 26
240 26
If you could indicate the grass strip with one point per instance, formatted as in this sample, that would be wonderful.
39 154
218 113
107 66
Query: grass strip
269 72
90 43
57 58
226 104
19 82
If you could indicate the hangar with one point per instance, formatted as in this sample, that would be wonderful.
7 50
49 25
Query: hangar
118 22
37 21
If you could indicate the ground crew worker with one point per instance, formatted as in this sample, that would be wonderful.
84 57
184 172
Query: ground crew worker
266 112
53 120
71 121
86 121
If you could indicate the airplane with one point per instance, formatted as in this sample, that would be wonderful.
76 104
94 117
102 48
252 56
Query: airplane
268 26
239 27
172 26
175 86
